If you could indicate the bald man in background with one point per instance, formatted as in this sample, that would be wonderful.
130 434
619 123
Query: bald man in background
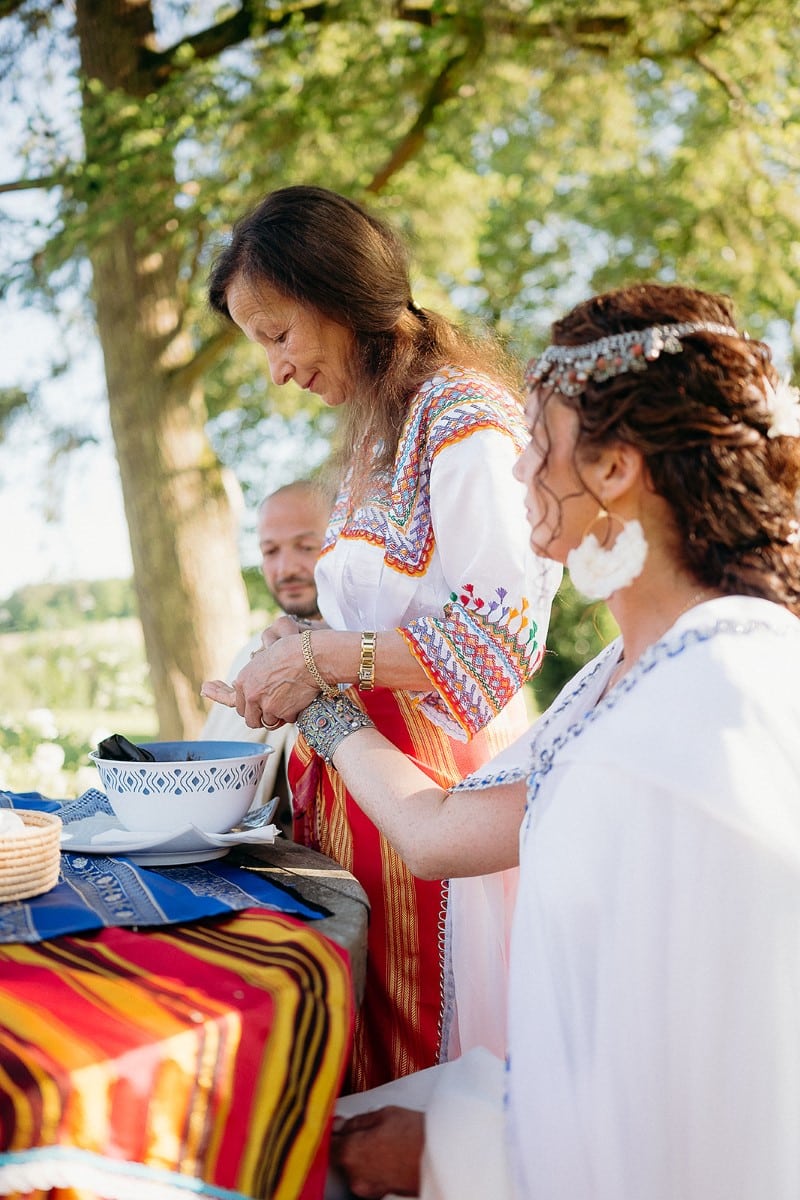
290 528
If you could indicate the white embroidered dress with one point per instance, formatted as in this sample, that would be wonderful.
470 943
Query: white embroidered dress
441 552
655 978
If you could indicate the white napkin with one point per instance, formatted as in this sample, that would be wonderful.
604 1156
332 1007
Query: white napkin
12 825
102 832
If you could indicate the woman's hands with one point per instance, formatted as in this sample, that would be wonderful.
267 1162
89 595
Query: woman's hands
380 1152
274 686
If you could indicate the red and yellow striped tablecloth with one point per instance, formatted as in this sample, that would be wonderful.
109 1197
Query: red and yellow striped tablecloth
200 1059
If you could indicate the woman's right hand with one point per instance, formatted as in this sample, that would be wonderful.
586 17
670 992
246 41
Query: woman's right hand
380 1151
275 685
224 693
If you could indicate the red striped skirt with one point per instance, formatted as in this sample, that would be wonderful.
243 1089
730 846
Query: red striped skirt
399 1025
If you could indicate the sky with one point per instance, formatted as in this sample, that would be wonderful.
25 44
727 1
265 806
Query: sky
87 535
88 538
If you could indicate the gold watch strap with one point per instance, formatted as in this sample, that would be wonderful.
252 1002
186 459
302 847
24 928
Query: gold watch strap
366 667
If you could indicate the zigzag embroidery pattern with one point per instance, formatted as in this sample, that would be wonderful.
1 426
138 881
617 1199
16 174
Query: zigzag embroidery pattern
396 516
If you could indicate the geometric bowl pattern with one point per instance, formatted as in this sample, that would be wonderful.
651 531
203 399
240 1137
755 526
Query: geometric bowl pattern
157 778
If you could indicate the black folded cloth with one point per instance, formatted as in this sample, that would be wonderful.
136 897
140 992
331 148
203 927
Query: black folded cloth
120 749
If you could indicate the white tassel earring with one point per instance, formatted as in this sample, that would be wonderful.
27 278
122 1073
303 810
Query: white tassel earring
597 572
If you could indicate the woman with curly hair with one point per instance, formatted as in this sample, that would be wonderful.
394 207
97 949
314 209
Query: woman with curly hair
654 1023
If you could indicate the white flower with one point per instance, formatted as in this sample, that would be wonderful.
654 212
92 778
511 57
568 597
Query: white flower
783 406
597 572
48 757
42 721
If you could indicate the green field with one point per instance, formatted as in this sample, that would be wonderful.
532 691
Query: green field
64 689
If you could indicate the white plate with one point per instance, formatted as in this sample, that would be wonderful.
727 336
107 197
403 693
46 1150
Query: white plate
152 858
103 834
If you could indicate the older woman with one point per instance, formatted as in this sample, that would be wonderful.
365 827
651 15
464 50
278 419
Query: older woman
435 608
654 1037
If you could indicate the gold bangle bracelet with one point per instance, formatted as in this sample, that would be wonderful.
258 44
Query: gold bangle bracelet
366 667
313 669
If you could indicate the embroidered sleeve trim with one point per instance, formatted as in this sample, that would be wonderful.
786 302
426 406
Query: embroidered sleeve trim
477 655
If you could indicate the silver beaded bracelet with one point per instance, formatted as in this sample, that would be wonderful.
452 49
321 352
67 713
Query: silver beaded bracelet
328 720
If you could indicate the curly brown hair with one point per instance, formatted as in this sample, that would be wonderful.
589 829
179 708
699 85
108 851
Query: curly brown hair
700 418
329 253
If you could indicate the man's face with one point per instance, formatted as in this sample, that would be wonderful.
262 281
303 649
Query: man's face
291 528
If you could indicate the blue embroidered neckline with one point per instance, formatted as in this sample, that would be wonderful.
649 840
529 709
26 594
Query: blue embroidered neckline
545 749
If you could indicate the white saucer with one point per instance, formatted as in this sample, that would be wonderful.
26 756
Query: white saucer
155 858
103 834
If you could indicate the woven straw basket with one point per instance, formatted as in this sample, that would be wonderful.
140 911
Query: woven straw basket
29 863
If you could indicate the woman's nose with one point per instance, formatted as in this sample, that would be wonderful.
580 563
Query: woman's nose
280 367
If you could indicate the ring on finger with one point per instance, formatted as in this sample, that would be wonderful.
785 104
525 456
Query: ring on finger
268 726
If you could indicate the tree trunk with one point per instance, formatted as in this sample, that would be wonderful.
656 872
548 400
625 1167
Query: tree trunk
182 527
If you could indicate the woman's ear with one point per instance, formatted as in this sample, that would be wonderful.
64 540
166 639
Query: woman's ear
619 470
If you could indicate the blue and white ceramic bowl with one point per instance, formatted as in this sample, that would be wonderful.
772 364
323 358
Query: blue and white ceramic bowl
209 785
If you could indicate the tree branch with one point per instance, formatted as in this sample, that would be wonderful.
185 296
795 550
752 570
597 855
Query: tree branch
446 84
250 18
184 376
24 185
582 28
443 88
728 85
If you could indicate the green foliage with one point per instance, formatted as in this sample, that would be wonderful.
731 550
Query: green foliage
254 583
263 609
92 667
67 605
577 632
561 148
63 690
13 401
531 152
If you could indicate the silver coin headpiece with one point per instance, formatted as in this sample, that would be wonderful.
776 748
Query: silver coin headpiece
569 368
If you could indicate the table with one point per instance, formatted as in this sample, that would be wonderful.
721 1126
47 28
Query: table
320 880
195 1059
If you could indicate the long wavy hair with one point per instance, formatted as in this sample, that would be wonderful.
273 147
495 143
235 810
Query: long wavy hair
700 418
328 253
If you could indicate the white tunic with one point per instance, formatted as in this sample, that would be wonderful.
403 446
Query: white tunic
655 980
655 960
